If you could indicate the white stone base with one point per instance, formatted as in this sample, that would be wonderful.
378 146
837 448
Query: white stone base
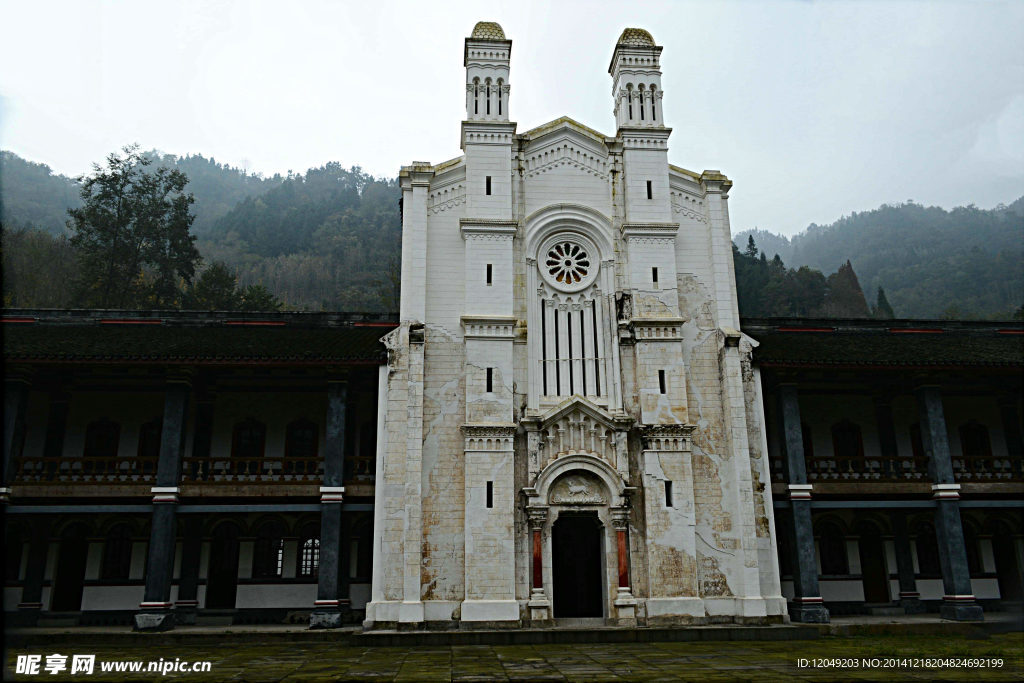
410 612
382 611
736 607
490 610
675 607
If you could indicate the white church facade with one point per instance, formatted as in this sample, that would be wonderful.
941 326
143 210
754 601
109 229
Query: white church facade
570 425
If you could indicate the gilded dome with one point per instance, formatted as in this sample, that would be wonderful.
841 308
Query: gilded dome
490 30
633 37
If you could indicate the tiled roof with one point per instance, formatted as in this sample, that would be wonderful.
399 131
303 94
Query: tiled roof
201 338
907 343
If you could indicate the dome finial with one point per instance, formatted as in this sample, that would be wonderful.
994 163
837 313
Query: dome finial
636 37
487 30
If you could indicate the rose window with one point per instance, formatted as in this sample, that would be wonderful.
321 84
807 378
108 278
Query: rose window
567 263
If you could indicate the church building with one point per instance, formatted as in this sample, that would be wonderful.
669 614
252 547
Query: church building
571 426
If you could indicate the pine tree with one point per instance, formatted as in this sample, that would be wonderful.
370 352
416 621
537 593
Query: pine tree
882 308
845 298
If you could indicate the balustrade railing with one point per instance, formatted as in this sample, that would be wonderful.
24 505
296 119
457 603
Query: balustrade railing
867 468
987 468
272 470
85 470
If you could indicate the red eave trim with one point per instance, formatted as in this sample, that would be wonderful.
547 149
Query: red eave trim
130 321
1010 331
805 329
374 324
21 320
915 330
258 323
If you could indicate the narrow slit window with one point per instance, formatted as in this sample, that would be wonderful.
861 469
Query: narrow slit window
661 381
668 494
654 116
490 380
654 275
490 494
499 100
488 183
476 99
642 104
488 100
650 190
489 274
629 99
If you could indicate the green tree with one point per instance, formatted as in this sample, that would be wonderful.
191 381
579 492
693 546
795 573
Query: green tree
258 298
845 298
882 307
215 289
132 233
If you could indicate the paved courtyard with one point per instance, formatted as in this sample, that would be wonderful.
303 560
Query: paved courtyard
711 661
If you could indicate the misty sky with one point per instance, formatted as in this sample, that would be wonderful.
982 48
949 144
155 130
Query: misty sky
814 109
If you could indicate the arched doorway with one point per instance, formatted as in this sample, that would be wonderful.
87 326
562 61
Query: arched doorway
872 565
577 555
222 577
68 583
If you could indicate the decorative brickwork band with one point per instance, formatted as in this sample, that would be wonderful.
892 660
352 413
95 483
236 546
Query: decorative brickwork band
332 494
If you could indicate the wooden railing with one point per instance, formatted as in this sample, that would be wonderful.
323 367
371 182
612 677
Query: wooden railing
86 470
275 470
858 469
987 468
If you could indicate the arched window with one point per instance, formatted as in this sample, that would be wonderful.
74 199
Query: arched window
309 551
149 439
974 441
916 444
248 439
301 439
117 554
499 96
629 99
268 553
102 438
476 95
641 97
927 551
654 105
488 97
832 545
847 443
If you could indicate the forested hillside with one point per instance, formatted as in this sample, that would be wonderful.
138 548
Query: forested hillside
329 239
932 263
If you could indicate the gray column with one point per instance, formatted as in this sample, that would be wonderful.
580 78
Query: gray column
156 612
187 603
910 598
807 604
958 602
330 603
15 405
32 589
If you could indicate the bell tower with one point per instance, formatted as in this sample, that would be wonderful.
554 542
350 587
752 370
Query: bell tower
486 60
636 80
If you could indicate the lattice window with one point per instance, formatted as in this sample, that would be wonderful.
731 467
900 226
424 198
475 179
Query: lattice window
567 263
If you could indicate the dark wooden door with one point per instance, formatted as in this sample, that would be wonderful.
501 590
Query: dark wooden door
576 570
872 569
70 577
222 577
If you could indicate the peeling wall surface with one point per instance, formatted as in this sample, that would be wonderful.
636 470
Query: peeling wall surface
568 386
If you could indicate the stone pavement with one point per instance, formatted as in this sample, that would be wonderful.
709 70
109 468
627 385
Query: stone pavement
272 660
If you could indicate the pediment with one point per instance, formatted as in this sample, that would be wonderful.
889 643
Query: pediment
575 407
565 145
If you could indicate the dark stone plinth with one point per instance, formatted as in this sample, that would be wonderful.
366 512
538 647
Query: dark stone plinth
325 619
961 611
809 613
153 621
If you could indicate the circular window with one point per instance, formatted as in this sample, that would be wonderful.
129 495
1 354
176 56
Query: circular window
567 264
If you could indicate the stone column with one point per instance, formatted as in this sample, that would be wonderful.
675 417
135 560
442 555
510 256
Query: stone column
539 605
808 605
910 598
330 604
16 388
958 602
155 610
32 590
625 603
187 604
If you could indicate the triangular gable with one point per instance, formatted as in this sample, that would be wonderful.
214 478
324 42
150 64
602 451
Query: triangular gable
563 124
582 405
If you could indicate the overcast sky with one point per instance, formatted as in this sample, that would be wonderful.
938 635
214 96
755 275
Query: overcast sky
814 109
